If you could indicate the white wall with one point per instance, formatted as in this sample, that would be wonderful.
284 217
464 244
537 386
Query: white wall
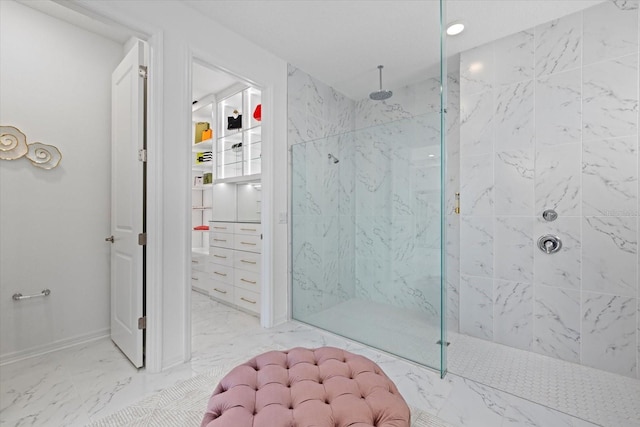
179 32
55 85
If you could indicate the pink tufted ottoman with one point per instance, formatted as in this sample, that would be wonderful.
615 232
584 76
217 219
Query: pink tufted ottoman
323 387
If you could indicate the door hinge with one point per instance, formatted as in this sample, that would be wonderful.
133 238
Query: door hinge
142 239
142 155
142 71
142 322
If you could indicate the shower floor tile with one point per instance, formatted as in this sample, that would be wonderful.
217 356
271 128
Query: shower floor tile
592 394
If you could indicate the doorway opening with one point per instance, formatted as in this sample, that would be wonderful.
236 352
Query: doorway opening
226 199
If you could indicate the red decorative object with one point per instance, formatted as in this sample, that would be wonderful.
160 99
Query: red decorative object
201 227
257 113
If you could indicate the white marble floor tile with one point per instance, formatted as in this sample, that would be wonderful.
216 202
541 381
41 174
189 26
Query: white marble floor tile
76 386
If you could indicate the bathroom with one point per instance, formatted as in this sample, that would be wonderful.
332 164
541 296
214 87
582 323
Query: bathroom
374 220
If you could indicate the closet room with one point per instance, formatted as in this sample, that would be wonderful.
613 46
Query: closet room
226 189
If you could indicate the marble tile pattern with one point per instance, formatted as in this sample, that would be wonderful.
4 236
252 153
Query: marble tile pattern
610 176
514 183
557 179
476 306
369 227
558 45
86 383
549 120
556 330
610 98
610 31
610 253
321 122
558 108
609 333
513 314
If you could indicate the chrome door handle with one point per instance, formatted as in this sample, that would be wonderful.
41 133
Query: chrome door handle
109 239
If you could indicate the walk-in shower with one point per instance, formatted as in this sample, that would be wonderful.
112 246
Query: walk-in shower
540 142
366 237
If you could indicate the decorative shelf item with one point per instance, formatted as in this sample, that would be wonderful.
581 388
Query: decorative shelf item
13 145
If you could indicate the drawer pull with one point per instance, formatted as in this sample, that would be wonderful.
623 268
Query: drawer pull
248 281
248 229
219 240
219 256
194 278
193 261
220 228
247 243
247 300
220 274
247 262
218 290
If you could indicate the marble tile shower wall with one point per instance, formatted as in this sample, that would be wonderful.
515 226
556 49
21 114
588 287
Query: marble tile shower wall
388 204
549 120
320 122
401 142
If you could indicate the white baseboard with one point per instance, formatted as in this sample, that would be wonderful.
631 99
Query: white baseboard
17 356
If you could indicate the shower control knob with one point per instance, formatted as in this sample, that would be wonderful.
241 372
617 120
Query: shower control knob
549 244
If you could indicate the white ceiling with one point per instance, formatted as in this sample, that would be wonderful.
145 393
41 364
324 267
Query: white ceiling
341 42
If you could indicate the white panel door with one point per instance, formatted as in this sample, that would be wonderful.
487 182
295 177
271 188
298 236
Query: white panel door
127 204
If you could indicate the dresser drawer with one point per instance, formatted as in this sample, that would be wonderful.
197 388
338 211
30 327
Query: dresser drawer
220 256
248 228
247 280
223 240
221 227
200 281
222 273
221 291
199 262
248 261
247 242
246 299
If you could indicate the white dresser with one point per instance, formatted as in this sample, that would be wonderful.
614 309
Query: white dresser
235 258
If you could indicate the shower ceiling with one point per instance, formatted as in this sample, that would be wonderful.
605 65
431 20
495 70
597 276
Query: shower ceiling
342 41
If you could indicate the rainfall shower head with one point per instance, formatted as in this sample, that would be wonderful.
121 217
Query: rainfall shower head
380 95
333 158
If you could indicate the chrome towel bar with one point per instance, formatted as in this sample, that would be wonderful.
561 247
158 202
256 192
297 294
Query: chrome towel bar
19 296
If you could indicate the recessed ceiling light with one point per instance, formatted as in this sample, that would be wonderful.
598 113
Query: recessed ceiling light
455 28
432 155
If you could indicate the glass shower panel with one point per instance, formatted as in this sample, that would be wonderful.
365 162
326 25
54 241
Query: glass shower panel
366 237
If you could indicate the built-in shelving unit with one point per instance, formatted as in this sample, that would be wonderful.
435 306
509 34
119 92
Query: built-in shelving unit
239 150
201 172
